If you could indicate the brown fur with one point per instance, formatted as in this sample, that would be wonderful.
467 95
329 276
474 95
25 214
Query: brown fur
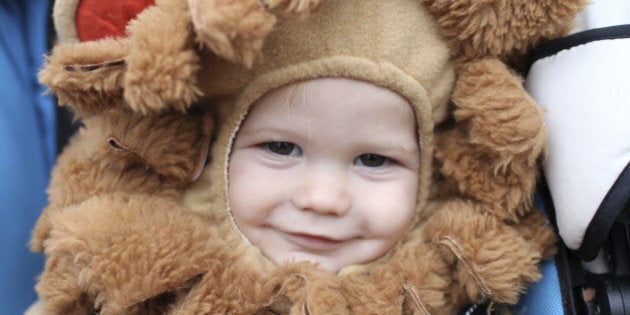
501 28
491 153
161 67
117 252
117 238
493 260
236 30
159 73
119 151
88 75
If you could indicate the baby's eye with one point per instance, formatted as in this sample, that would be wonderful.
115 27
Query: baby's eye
371 160
283 148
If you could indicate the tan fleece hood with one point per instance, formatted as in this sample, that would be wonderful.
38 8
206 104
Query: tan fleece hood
393 44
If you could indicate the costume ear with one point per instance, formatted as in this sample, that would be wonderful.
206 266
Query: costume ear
88 20
87 76
86 69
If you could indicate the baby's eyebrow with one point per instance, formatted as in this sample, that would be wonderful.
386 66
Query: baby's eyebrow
391 146
266 133
266 130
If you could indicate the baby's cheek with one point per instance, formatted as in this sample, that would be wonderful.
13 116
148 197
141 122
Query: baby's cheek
394 227
251 201
245 192
392 212
245 207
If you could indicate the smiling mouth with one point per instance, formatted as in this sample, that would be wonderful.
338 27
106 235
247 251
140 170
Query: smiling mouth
314 242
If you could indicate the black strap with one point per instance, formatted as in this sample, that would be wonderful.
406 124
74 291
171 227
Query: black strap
615 201
555 46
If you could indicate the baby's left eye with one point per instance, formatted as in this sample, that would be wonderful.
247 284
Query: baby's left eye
371 160
283 148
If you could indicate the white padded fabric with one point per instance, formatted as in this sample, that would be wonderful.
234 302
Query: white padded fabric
603 13
585 92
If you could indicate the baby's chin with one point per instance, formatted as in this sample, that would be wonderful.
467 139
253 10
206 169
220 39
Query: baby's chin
332 264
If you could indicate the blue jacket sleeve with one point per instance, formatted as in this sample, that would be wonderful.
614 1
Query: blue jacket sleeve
27 142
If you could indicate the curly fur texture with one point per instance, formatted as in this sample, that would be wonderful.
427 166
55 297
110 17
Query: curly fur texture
121 152
162 67
157 73
414 281
236 29
299 8
87 76
232 29
491 155
501 28
115 234
97 263
491 259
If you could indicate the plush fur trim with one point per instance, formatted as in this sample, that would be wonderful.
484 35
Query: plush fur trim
492 260
501 28
300 8
162 67
113 266
536 229
87 76
235 30
158 155
232 29
491 153
413 281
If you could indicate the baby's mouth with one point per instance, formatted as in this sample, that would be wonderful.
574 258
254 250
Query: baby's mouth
314 242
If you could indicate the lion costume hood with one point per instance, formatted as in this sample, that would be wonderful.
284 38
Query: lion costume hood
189 71
340 40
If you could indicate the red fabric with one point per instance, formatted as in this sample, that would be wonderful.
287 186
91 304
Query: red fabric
96 19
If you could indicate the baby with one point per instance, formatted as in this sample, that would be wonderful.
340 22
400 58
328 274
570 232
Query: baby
325 170
324 149
321 166
319 194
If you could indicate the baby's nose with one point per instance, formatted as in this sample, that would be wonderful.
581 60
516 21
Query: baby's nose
323 192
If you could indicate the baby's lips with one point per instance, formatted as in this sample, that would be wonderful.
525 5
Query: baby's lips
314 242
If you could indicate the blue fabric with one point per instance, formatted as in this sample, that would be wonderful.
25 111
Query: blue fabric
544 296
27 142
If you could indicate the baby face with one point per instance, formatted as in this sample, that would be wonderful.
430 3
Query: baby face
326 171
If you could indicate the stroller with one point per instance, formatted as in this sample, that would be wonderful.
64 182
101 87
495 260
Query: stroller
581 83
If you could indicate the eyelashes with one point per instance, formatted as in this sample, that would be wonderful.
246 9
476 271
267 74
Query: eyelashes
284 148
371 160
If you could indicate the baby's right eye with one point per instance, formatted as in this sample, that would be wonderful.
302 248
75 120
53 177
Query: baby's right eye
371 160
283 148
